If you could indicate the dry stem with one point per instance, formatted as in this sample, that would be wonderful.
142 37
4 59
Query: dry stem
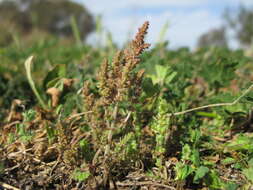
7 186
213 105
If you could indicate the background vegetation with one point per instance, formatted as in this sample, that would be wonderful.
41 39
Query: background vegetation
25 18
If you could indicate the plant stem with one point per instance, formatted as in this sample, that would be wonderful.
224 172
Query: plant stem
75 31
213 105
109 137
108 146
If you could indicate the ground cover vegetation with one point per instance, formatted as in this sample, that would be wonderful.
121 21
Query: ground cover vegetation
79 117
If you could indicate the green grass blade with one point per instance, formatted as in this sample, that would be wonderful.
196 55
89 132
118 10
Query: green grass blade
28 64
76 31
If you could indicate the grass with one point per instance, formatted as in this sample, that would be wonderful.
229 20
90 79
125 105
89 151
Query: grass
155 118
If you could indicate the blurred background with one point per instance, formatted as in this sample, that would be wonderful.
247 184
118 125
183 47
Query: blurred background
191 23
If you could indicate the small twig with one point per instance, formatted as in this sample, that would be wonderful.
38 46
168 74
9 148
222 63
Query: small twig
79 114
11 124
213 105
24 152
230 180
128 116
7 186
94 161
144 183
12 168
54 166
126 119
39 161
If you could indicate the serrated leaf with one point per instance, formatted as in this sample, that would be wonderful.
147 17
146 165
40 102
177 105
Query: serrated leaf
195 157
195 136
170 77
186 152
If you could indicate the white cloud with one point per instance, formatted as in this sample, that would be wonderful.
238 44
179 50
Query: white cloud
191 26
107 6
188 18
184 28
99 6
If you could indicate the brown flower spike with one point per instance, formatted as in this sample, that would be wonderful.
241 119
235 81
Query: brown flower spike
118 82
117 78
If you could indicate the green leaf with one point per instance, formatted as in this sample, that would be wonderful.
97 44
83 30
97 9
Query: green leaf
213 180
29 115
250 162
51 133
182 171
249 98
195 157
59 71
231 186
75 30
207 114
248 173
239 165
161 72
241 143
186 152
80 176
195 136
200 173
170 77
149 88
228 161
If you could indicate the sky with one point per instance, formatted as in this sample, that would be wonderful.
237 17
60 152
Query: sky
187 19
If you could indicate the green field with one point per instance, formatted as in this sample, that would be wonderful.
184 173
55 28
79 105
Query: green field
79 117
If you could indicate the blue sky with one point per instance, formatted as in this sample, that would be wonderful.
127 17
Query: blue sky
187 19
